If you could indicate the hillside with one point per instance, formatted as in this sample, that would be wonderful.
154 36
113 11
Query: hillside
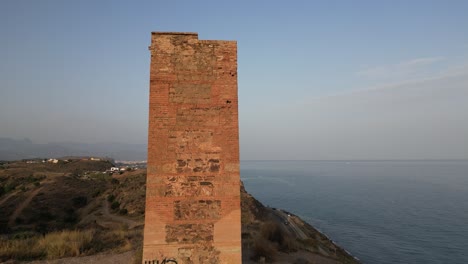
45 206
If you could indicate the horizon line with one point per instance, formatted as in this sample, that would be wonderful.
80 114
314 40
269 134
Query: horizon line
356 160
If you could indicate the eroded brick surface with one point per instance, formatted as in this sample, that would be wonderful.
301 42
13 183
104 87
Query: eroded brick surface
189 186
189 233
197 165
197 210
193 194
198 254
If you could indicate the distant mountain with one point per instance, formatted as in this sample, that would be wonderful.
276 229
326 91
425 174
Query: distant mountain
13 149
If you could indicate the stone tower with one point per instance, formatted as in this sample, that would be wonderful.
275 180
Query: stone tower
193 184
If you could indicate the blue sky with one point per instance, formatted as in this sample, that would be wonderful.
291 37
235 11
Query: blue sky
317 79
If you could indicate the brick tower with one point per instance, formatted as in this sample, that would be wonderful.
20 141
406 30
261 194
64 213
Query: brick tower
193 183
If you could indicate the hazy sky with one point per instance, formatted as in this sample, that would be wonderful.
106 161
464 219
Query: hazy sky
317 79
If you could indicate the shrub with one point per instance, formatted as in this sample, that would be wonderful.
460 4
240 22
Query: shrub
110 198
115 181
70 216
31 178
288 245
96 193
45 215
79 201
263 248
70 219
9 187
274 233
115 205
123 211
24 235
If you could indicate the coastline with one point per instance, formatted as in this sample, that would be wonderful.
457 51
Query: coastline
295 240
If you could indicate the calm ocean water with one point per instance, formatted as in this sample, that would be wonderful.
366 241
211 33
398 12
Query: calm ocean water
382 212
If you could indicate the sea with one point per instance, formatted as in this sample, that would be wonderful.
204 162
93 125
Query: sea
382 212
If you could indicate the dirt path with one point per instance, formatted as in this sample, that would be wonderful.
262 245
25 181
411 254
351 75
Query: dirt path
4 199
23 205
130 223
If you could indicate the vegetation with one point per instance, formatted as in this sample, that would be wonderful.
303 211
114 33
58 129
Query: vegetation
115 205
271 240
79 201
67 243
264 249
273 232
51 246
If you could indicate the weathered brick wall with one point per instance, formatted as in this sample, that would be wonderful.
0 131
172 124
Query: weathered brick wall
193 192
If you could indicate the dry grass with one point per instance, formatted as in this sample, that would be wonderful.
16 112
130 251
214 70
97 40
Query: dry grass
66 243
125 238
20 249
51 246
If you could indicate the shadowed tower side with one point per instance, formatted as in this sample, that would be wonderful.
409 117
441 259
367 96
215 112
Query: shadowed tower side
193 183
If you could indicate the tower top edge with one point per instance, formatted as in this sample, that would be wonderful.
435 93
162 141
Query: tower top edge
173 33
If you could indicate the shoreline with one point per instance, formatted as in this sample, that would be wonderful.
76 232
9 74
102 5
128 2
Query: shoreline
331 240
304 243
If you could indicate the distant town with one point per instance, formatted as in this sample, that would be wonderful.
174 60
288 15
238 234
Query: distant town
119 165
